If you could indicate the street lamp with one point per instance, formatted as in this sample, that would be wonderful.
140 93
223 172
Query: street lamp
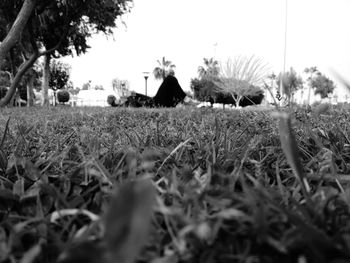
146 75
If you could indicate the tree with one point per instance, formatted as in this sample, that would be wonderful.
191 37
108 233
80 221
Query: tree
163 69
59 74
74 91
13 36
210 68
205 89
29 80
98 87
311 71
320 83
121 87
87 85
323 85
242 76
291 82
56 28
32 80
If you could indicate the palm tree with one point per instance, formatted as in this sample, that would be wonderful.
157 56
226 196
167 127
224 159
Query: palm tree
163 69
211 68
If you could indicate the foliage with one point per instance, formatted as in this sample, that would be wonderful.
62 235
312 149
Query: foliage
98 87
111 100
204 89
163 69
322 85
74 180
87 85
74 91
291 82
121 87
241 76
319 82
210 68
60 75
63 96
60 27
207 89
138 100
5 78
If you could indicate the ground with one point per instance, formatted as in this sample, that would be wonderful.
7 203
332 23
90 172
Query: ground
224 187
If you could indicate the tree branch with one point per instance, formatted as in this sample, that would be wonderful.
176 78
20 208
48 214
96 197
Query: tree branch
14 34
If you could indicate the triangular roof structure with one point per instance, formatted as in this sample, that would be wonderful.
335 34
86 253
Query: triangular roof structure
169 93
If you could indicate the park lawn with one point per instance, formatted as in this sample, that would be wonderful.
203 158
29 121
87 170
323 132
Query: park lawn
224 187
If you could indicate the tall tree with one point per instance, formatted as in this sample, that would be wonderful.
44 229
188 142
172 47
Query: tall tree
163 69
210 68
57 28
242 76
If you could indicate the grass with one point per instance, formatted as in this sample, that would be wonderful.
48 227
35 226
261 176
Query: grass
174 185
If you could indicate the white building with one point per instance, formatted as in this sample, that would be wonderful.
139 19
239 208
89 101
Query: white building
92 98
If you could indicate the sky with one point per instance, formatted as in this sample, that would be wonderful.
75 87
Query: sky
186 31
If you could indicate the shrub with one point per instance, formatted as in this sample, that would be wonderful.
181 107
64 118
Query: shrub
111 100
138 100
63 96
206 89
203 89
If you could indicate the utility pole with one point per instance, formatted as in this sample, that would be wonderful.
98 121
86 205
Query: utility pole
285 47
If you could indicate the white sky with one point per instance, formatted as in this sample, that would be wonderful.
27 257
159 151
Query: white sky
185 31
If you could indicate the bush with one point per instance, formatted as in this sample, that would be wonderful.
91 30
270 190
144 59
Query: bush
206 90
138 100
111 100
63 96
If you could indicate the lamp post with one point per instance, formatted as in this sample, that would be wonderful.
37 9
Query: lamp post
146 75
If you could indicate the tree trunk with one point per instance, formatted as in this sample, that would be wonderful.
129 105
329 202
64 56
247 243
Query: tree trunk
238 100
15 32
46 80
12 100
309 96
30 92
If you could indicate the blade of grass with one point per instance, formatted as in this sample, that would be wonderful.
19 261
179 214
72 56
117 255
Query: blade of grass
5 132
290 149
172 153
128 220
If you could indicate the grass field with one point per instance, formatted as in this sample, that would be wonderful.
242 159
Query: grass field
174 185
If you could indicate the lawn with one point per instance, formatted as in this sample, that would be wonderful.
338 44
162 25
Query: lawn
174 185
